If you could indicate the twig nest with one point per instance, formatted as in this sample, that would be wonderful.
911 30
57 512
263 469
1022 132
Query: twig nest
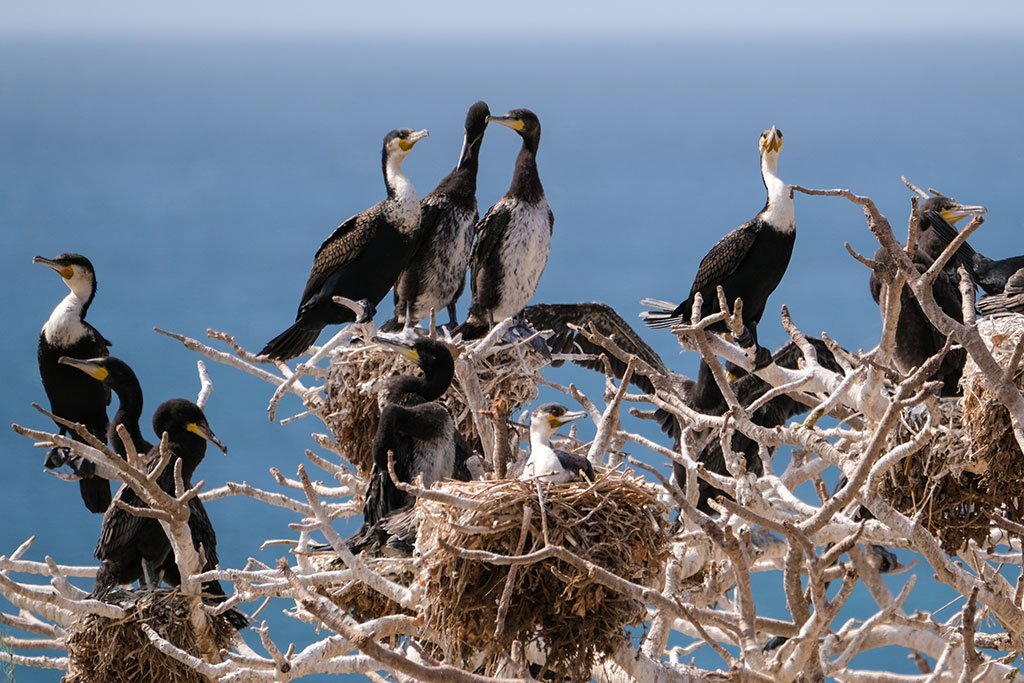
102 650
357 374
358 599
481 608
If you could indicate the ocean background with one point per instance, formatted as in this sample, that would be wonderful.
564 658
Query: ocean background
201 174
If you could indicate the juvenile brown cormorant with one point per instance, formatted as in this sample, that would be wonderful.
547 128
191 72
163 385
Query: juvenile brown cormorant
361 259
546 464
135 548
513 238
1010 301
436 275
749 262
72 395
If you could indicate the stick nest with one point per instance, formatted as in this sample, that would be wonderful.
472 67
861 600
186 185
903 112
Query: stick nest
615 523
103 650
358 599
971 471
357 373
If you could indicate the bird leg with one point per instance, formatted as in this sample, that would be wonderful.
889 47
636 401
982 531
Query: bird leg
150 574
451 316
408 318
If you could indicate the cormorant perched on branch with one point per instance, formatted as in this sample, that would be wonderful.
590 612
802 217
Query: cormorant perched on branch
133 548
72 395
545 463
1010 301
749 262
422 438
513 238
436 274
361 259
936 218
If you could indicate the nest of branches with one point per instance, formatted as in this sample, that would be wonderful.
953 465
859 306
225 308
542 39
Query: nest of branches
481 607
358 599
357 373
104 650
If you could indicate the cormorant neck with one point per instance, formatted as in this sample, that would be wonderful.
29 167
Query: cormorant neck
399 187
526 181
540 433
65 324
778 210
470 156
436 380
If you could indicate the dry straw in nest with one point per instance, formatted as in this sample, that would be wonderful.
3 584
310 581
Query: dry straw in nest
615 523
959 481
103 650
510 372
358 599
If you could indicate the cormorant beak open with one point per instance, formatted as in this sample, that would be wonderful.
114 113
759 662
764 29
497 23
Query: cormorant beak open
204 431
960 212
403 347
566 418
64 271
413 138
94 370
772 140
509 121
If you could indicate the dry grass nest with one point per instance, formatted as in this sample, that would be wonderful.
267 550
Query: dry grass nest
356 375
103 650
358 599
971 473
615 523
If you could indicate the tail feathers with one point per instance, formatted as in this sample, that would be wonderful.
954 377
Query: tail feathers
292 342
665 315
471 329
95 493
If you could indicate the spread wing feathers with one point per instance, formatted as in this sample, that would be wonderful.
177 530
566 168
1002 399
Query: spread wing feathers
558 317
341 248
724 257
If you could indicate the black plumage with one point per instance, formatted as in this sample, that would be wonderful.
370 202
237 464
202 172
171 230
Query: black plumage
133 548
513 237
436 274
117 376
361 259
749 262
72 395
1011 300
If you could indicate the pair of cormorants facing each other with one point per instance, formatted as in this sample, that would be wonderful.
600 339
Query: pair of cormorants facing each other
131 548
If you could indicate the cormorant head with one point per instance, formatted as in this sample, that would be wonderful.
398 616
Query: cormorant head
427 353
179 417
950 209
476 121
770 142
548 417
400 142
522 121
110 370
77 271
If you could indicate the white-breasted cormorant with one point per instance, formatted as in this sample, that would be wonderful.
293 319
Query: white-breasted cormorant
513 237
436 274
750 261
1010 301
546 464
135 548
73 396
361 259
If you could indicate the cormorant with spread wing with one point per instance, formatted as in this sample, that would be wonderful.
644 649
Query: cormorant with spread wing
748 263
72 395
436 274
513 238
361 260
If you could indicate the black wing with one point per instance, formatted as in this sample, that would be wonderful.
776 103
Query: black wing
724 257
485 266
343 246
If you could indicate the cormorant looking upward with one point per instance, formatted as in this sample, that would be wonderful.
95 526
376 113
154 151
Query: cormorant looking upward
436 274
132 548
545 463
72 395
361 259
513 238
749 262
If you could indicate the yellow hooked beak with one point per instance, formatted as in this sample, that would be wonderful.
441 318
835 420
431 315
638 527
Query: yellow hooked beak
205 432
64 271
958 213
772 140
508 121
94 370
413 138
566 418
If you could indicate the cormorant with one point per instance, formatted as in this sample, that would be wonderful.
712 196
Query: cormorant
117 376
545 463
749 262
361 259
513 238
73 396
1010 301
132 548
436 273
936 218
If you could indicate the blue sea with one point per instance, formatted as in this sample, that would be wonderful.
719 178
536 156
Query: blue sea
201 175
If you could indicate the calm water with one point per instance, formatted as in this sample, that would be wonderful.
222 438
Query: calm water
199 177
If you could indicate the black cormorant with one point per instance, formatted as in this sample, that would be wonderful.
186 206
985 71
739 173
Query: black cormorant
1010 301
361 259
513 238
436 274
546 464
118 377
749 262
133 548
73 396
936 218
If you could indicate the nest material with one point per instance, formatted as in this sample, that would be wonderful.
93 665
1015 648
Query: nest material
616 523
103 650
959 481
358 599
356 375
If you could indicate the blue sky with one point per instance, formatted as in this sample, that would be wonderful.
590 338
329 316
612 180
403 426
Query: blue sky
536 17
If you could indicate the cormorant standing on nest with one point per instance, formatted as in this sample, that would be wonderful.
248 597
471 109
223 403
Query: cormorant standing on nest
73 396
422 437
1010 301
133 548
436 274
361 260
513 238
545 463
748 263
